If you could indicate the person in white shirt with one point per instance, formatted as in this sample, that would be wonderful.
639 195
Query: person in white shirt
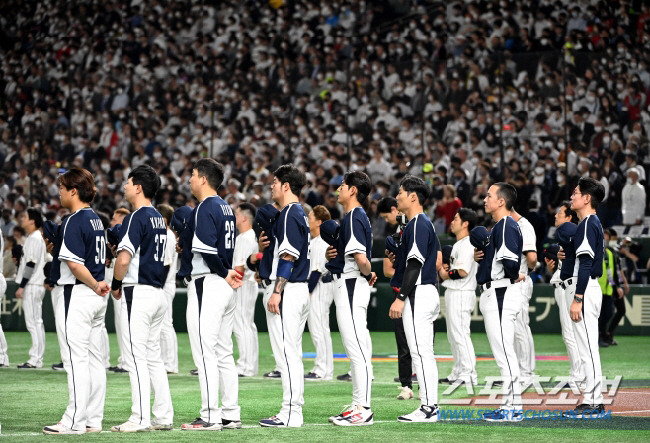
4 357
322 295
168 340
634 198
31 278
459 279
244 327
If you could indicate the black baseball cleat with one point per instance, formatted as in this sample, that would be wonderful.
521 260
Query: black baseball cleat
112 368
273 374
312 376
584 409
445 381
26 366
344 377
230 424
2 365
120 371
58 367
194 372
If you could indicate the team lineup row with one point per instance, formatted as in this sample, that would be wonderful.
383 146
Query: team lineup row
302 258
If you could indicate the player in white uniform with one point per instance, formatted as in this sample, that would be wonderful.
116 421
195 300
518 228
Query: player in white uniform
418 302
168 341
138 280
244 327
211 301
564 215
4 356
524 345
118 217
30 279
287 303
78 274
459 279
321 296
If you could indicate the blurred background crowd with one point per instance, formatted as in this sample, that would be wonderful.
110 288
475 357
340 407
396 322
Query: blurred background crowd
463 94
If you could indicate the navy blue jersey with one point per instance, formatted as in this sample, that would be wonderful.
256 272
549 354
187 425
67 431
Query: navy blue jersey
484 270
55 269
399 264
355 236
213 243
569 262
83 241
507 243
266 264
589 242
291 232
144 235
185 240
421 243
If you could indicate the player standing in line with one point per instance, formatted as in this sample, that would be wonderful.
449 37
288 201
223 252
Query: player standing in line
138 280
4 356
352 273
500 301
30 278
387 209
459 279
80 287
168 341
244 327
321 298
211 302
118 218
287 304
586 301
524 344
565 219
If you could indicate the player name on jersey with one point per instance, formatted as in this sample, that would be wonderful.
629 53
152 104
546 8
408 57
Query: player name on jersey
158 223
96 224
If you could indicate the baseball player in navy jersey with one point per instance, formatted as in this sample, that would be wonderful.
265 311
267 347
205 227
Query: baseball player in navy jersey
524 344
30 279
4 357
168 341
79 273
500 301
351 270
586 301
287 299
321 298
565 219
459 279
211 302
118 217
418 302
244 327
138 280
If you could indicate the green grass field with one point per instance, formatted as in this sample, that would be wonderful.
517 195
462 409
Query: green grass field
31 399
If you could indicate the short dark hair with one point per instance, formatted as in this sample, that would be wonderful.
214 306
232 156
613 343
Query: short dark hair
361 181
589 186
249 208
507 192
211 169
292 175
81 180
568 211
166 211
147 177
386 205
35 215
412 184
469 216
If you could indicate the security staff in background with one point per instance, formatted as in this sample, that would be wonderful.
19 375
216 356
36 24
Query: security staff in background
614 286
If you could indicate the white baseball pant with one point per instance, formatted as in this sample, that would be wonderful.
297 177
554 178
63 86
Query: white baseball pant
245 330
4 356
500 307
143 308
319 329
33 309
117 319
210 316
285 332
79 317
420 312
524 344
576 372
586 335
168 340
459 306
104 345
352 295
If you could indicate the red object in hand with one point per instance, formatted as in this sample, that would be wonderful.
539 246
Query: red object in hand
259 256
240 273
395 289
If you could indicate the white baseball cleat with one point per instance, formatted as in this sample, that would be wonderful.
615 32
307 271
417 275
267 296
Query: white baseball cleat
346 411
360 416
424 414
201 425
59 428
406 393
129 426
92 430
155 426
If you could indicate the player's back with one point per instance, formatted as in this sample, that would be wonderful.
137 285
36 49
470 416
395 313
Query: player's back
81 240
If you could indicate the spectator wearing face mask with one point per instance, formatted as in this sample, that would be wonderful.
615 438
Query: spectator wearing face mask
634 199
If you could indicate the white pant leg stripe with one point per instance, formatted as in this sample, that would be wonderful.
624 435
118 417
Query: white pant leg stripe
503 344
286 360
593 365
67 299
128 292
354 326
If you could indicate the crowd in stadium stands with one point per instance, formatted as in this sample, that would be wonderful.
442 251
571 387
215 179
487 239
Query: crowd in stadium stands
560 89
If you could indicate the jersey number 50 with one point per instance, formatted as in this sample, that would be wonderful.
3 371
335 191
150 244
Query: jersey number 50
100 248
